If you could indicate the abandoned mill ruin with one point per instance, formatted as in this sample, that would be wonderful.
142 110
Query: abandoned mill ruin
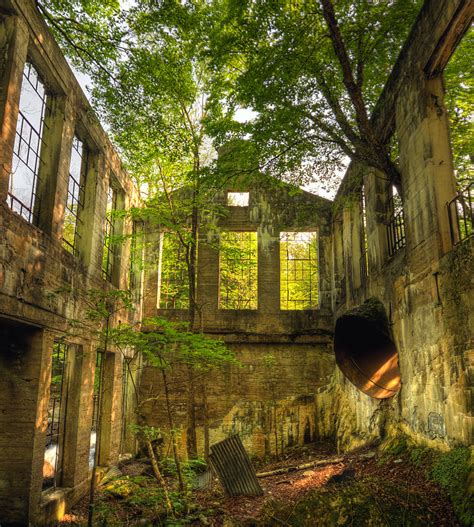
345 320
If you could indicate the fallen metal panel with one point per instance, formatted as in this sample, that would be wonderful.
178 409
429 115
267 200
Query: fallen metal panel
234 469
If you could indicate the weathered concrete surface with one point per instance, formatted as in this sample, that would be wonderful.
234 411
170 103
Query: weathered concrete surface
270 407
427 287
270 400
43 286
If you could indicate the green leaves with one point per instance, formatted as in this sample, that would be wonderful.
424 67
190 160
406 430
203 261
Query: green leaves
167 344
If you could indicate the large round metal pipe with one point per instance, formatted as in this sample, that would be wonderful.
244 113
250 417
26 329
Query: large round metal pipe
365 351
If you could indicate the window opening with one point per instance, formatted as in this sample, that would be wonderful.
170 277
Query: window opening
298 270
364 258
238 199
458 76
99 363
136 257
75 195
52 466
22 197
461 215
396 223
238 273
173 280
109 249
125 386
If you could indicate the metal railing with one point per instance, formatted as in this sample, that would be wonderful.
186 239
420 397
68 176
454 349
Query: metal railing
396 233
461 215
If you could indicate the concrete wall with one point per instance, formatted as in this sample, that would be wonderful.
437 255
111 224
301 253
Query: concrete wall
426 287
257 400
43 286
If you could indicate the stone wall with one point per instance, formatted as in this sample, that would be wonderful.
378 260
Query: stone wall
426 286
43 286
255 400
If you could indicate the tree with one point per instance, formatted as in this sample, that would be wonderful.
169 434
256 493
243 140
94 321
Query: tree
154 92
313 72
459 78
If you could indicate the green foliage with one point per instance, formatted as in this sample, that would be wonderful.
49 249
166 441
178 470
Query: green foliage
360 502
166 343
298 270
280 62
452 471
149 433
238 270
459 79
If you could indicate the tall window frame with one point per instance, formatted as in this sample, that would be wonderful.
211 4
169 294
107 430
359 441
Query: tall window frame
109 252
299 270
75 195
173 279
55 432
22 195
396 238
238 270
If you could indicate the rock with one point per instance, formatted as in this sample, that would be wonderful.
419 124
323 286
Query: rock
398 461
345 475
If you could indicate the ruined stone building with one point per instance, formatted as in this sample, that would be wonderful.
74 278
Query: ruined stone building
352 319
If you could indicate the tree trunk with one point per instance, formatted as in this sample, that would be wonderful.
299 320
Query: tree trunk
159 476
172 432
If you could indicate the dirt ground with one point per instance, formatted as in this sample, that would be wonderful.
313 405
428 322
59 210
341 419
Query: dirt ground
363 488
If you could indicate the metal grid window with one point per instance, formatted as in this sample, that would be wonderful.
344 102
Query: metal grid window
461 215
26 161
125 396
108 254
136 257
364 258
95 406
396 223
173 280
55 432
238 270
75 195
298 270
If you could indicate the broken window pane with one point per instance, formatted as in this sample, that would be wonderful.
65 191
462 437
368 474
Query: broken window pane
238 199
75 195
298 270
238 273
28 140
173 282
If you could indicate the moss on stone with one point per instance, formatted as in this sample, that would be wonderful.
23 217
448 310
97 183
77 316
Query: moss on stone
453 471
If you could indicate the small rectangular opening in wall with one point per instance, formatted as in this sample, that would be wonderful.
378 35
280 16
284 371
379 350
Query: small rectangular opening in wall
238 270
238 199
396 223
28 144
52 466
299 270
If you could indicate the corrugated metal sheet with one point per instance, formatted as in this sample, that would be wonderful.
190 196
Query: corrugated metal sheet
234 469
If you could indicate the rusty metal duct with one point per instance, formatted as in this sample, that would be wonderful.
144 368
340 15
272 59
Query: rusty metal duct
365 351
